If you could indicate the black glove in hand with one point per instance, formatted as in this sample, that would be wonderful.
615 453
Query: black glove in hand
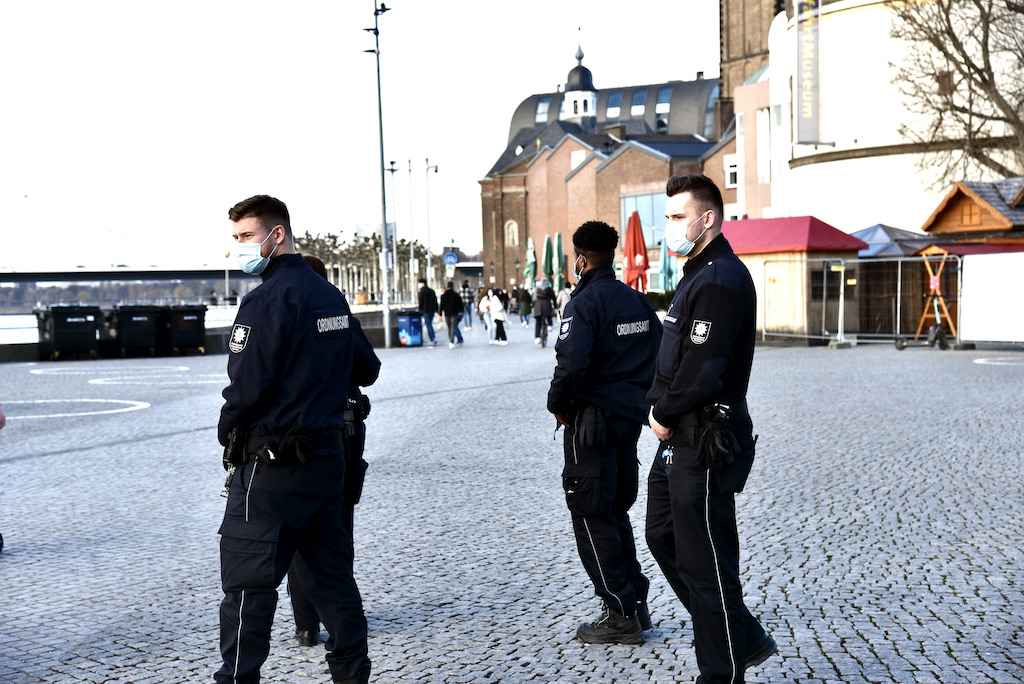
592 428
717 447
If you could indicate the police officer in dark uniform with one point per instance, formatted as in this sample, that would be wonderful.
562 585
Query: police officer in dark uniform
290 365
307 620
605 352
699 412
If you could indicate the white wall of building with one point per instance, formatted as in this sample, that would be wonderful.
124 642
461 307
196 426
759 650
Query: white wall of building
859 107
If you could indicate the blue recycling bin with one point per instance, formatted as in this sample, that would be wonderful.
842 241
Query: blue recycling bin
410 328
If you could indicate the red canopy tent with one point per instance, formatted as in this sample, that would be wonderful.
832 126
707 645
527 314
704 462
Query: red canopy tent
635 251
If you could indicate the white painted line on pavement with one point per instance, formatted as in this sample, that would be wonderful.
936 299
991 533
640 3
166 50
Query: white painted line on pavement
131 406
110 369
1002 361
218 379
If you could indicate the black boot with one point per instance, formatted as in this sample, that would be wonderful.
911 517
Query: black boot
612 628
308 637
643 614
362 677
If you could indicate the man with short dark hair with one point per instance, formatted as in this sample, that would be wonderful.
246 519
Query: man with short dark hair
604 354
699 412
291 360
428 307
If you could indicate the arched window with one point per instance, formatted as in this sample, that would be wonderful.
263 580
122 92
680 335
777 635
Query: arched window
511 234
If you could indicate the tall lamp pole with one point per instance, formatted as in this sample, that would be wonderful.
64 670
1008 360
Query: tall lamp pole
412 244
386 295
394 222
430 257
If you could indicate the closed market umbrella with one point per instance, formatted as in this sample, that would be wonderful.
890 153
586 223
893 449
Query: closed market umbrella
635 251
547 266
559 281
668 267
530 270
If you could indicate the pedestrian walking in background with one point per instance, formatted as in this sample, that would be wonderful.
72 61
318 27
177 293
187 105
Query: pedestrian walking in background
488 314
604 358
699 414
468 295
427 302
561 299
543 307
451 309
525 306
498 315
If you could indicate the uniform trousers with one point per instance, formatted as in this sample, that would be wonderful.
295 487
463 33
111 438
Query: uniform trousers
272 513
306 617
600 486
691 531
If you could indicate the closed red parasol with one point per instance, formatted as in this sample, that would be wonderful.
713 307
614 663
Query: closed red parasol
635 251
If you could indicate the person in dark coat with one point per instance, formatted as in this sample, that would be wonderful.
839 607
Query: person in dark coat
605 351
428 307
543 307
451 309
699 414
291 349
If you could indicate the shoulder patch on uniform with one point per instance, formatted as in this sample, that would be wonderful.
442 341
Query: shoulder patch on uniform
565 328
700 332
239 337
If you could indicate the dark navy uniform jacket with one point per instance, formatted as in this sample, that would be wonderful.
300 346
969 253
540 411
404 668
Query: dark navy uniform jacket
293 351
606 347
708 346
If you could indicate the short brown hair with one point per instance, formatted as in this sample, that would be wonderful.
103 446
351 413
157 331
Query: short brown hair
269 210
702 189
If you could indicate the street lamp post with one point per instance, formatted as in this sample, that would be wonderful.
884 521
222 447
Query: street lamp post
385 285
227 291
430 257
394 221
413 264
516 279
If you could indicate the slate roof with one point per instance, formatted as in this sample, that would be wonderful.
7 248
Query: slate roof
1003 197
886 241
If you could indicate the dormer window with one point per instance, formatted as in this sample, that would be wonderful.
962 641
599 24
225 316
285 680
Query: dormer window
614 104
542 109
638 107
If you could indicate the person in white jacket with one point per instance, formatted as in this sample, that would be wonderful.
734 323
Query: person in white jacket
498 315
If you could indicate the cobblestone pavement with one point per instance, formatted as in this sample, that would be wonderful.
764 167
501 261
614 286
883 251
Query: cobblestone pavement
881 526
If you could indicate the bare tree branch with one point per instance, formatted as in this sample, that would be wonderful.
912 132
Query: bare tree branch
963 78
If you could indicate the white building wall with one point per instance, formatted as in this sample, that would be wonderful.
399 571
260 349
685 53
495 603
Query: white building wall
859 107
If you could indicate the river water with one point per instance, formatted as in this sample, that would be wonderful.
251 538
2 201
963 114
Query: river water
24 329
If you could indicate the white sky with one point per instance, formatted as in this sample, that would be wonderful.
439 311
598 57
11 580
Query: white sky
127 129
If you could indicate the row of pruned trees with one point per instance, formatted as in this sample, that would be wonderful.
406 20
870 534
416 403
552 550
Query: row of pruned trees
354 266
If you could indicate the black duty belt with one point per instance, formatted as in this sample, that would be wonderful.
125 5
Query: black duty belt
291 448
696 418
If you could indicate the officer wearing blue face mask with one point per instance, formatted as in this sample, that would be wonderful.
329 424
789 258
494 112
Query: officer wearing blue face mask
293 354
607 341
698 410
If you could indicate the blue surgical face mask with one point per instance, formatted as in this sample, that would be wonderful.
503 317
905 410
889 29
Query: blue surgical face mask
676 240
250 258
577 271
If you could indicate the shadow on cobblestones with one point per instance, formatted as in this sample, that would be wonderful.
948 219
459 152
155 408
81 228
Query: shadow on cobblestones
881 525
